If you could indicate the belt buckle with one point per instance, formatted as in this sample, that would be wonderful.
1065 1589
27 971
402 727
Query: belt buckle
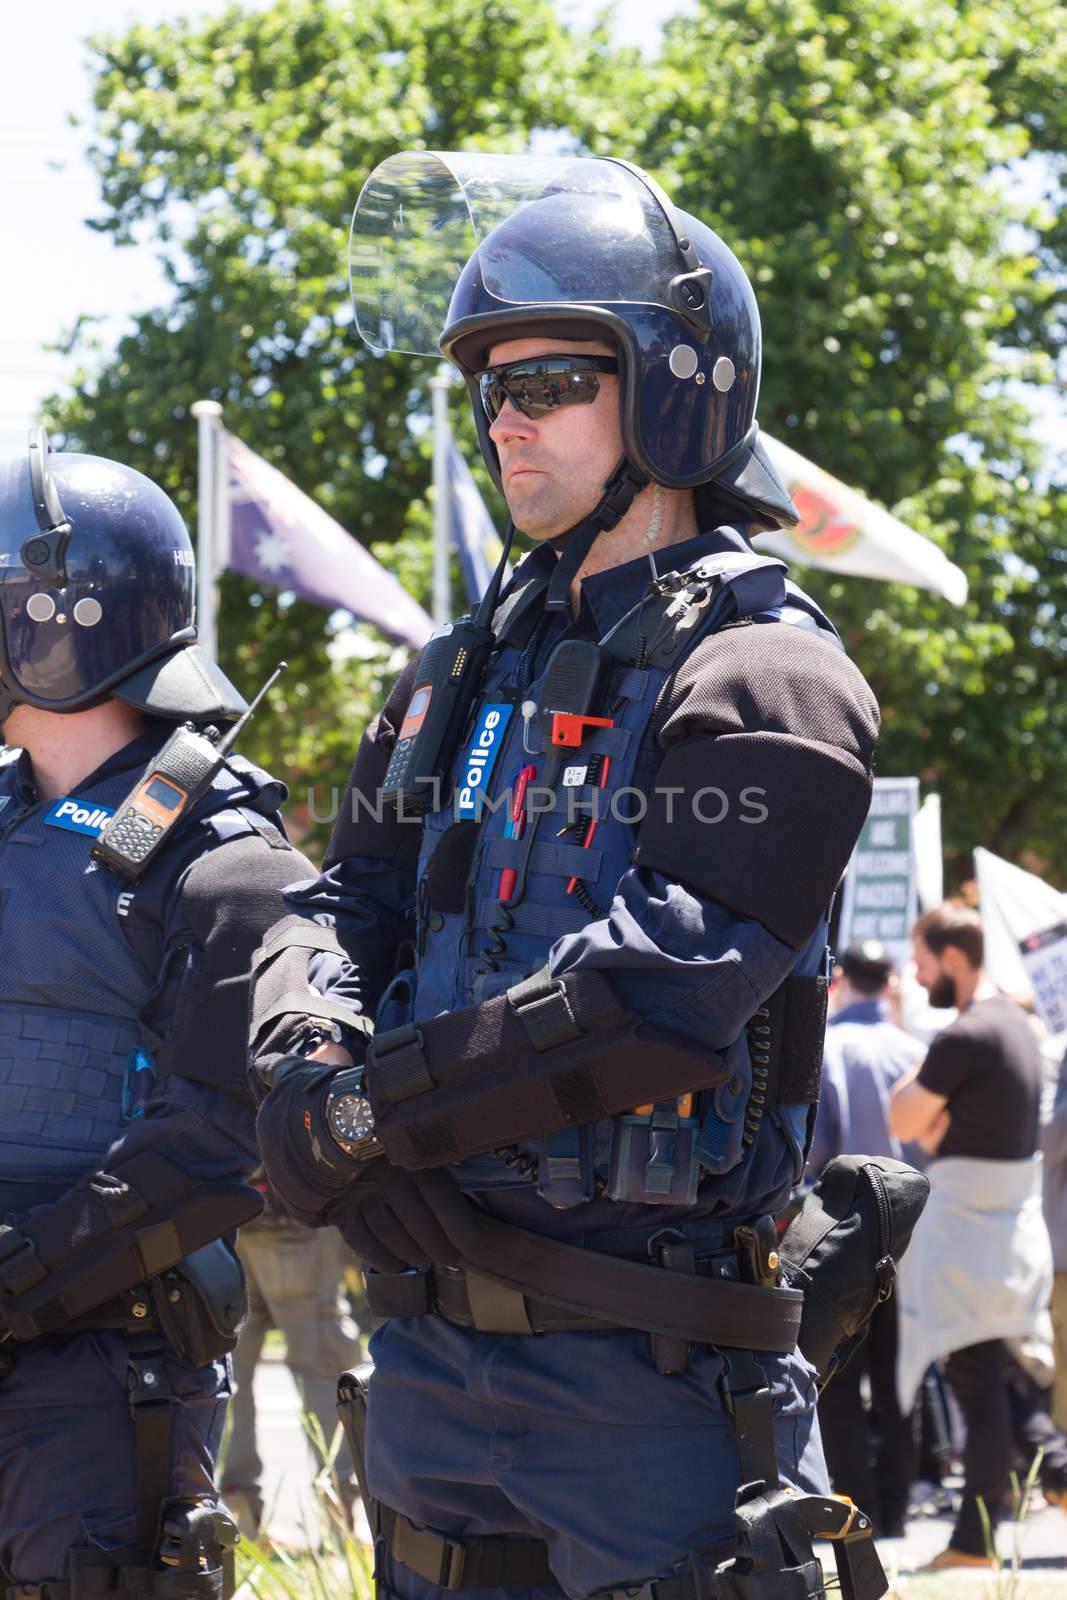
453 1563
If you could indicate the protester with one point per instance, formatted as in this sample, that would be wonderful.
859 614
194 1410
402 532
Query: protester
1054 1144
976 1282
295 1284
869 1452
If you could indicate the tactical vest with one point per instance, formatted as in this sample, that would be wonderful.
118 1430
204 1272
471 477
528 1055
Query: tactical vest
470 947
85 963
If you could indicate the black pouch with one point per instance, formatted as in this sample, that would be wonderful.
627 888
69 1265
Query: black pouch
842 1249
201 1303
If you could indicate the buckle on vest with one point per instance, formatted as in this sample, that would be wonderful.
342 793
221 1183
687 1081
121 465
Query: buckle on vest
540 1003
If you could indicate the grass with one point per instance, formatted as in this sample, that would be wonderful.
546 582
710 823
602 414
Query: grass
339 1567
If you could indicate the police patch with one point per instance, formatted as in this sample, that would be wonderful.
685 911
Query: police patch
480 759
79 816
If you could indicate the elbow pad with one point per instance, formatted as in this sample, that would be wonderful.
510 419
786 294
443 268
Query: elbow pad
550 1053
281 993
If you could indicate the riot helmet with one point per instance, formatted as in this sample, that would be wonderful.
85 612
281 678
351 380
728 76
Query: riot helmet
97 592
463 251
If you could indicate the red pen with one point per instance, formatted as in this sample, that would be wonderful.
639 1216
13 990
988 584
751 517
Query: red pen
587 841
514 828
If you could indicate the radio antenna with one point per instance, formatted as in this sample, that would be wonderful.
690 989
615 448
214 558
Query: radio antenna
225 745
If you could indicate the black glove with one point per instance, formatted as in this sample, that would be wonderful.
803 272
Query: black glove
384 1214
388 1217
305 1167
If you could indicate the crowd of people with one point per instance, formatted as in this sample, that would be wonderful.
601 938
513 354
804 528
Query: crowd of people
976 1331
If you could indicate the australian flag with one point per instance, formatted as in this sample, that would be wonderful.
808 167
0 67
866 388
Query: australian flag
280 537
473 532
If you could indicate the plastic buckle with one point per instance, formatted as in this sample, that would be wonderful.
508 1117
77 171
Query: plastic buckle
453 1564
545 1015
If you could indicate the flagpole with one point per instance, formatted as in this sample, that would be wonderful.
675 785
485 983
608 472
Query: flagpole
440 384
208 415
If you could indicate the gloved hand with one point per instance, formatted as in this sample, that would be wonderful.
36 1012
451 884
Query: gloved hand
389 1217
386 1215
306 1169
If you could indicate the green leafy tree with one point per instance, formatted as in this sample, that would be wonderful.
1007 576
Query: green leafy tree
240 145
862 158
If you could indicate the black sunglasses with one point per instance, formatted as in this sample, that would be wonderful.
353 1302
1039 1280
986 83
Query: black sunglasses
543 384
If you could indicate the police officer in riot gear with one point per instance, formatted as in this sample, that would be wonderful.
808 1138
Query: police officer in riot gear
126 1131
565 1057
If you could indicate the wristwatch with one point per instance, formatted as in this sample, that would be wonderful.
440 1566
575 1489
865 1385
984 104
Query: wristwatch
348 1116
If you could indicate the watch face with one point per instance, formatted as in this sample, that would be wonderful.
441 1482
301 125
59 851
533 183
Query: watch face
351 1118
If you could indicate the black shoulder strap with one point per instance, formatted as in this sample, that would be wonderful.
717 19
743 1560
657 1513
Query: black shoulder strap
680 607
518 610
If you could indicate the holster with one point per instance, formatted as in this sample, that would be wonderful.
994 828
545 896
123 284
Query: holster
192 1561
201 1304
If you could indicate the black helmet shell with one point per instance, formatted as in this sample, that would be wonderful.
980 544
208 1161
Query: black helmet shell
124 598
686 403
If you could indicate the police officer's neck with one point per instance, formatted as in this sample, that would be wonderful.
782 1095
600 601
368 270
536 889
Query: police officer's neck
64 749
657 519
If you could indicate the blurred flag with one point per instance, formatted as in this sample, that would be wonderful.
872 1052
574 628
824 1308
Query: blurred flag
842 531
926 841
473 531
280 537
1024 920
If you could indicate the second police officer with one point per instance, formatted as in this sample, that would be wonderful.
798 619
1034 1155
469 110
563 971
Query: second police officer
126 1129
572 926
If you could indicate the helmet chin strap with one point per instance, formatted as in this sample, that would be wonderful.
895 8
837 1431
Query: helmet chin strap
8 701
573 546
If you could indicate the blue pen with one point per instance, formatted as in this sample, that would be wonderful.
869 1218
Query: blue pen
511 825
515 826
138 1083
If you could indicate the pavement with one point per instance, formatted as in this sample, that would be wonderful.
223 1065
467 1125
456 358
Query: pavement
292 1519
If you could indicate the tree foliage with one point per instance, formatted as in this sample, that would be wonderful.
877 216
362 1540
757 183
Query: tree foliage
861 156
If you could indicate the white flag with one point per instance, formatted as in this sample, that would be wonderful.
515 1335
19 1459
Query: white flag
1024 921
842 531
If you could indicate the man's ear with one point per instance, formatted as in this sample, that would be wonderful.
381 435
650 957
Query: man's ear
954 962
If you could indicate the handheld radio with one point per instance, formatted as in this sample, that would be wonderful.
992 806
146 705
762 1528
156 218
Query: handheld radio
446 682
169 787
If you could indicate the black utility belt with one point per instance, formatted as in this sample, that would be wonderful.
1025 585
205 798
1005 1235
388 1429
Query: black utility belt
131 1312
739 1301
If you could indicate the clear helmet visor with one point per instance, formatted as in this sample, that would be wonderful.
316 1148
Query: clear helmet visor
579 230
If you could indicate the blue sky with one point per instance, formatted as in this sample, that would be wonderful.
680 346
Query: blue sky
55 268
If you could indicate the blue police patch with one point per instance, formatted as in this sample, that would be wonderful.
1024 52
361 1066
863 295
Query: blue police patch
480 759
79 816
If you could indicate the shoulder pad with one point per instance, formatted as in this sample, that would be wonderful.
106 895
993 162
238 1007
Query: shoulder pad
239 821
